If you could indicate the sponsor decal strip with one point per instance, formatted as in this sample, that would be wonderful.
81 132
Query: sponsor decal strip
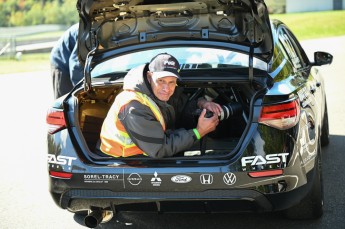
102 178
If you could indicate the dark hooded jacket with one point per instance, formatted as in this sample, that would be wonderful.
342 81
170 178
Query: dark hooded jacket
142 126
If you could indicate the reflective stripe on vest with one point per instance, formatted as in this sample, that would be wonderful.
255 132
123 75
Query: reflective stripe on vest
115 139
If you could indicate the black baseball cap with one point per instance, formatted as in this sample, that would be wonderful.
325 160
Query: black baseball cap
164 65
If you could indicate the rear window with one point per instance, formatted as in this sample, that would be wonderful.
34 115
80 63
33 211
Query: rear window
189 58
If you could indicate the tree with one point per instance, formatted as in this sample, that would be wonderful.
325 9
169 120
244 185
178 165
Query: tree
34 16
66 14
53 13
7 8
70 12
16 19
34 12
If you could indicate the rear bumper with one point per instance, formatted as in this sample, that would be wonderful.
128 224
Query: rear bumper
133 186
207 201
232 200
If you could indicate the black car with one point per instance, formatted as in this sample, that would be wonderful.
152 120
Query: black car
265 154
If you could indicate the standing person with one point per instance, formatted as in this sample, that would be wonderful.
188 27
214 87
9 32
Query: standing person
141 120
66 70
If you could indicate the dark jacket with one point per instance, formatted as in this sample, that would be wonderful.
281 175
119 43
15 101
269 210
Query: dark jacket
64 55
143 128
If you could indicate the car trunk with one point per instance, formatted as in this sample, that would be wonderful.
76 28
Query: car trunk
213 29
235 99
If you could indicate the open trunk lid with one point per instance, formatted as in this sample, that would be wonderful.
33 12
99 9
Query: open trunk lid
111 24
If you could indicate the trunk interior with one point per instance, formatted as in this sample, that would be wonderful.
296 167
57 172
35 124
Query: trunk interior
234 99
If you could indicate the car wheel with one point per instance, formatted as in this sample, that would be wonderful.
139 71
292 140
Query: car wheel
325 129
311 207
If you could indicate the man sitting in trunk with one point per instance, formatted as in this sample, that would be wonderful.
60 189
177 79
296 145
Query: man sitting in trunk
142 118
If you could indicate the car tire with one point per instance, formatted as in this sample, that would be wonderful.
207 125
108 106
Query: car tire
325 128
311 207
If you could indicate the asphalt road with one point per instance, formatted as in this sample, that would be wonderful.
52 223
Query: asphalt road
24 197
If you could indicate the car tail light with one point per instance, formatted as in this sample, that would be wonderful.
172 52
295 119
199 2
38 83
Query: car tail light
61 175
55 120
281 116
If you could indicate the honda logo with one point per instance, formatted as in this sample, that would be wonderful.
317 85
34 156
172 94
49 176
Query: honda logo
206 179
229 179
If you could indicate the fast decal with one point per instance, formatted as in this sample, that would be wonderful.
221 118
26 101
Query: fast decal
155 180
304 97
308 158
60 160
268 159
302 94
206 179
134 179
307 150
102 178
181 179
306 102
229 178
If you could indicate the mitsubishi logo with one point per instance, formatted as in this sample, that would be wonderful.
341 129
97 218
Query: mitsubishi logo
229 179
206 179
156 181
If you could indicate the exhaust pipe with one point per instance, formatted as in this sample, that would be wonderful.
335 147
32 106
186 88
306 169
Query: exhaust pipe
94 218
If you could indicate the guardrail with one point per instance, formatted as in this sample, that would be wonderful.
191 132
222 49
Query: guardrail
9 47
12 42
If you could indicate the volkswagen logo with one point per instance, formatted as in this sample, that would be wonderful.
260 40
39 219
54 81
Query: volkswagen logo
229 178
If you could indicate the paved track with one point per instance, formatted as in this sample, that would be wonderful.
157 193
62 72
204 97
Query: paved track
24 197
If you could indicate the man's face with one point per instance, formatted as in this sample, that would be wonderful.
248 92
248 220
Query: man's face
163 87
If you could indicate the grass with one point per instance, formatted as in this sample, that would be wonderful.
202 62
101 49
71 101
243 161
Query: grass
27 63
313 25
308 25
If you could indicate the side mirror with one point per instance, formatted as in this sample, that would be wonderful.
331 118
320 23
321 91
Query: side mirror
322 58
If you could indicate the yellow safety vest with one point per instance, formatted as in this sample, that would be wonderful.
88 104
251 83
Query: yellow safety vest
115 140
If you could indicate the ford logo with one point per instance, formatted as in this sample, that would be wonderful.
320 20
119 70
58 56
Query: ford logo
181 179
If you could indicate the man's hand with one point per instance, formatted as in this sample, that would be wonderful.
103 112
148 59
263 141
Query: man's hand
206 125
211 106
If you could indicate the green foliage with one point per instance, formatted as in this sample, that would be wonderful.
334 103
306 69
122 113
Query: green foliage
17 18
34 12
70 12
52 13
6 8
34 16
